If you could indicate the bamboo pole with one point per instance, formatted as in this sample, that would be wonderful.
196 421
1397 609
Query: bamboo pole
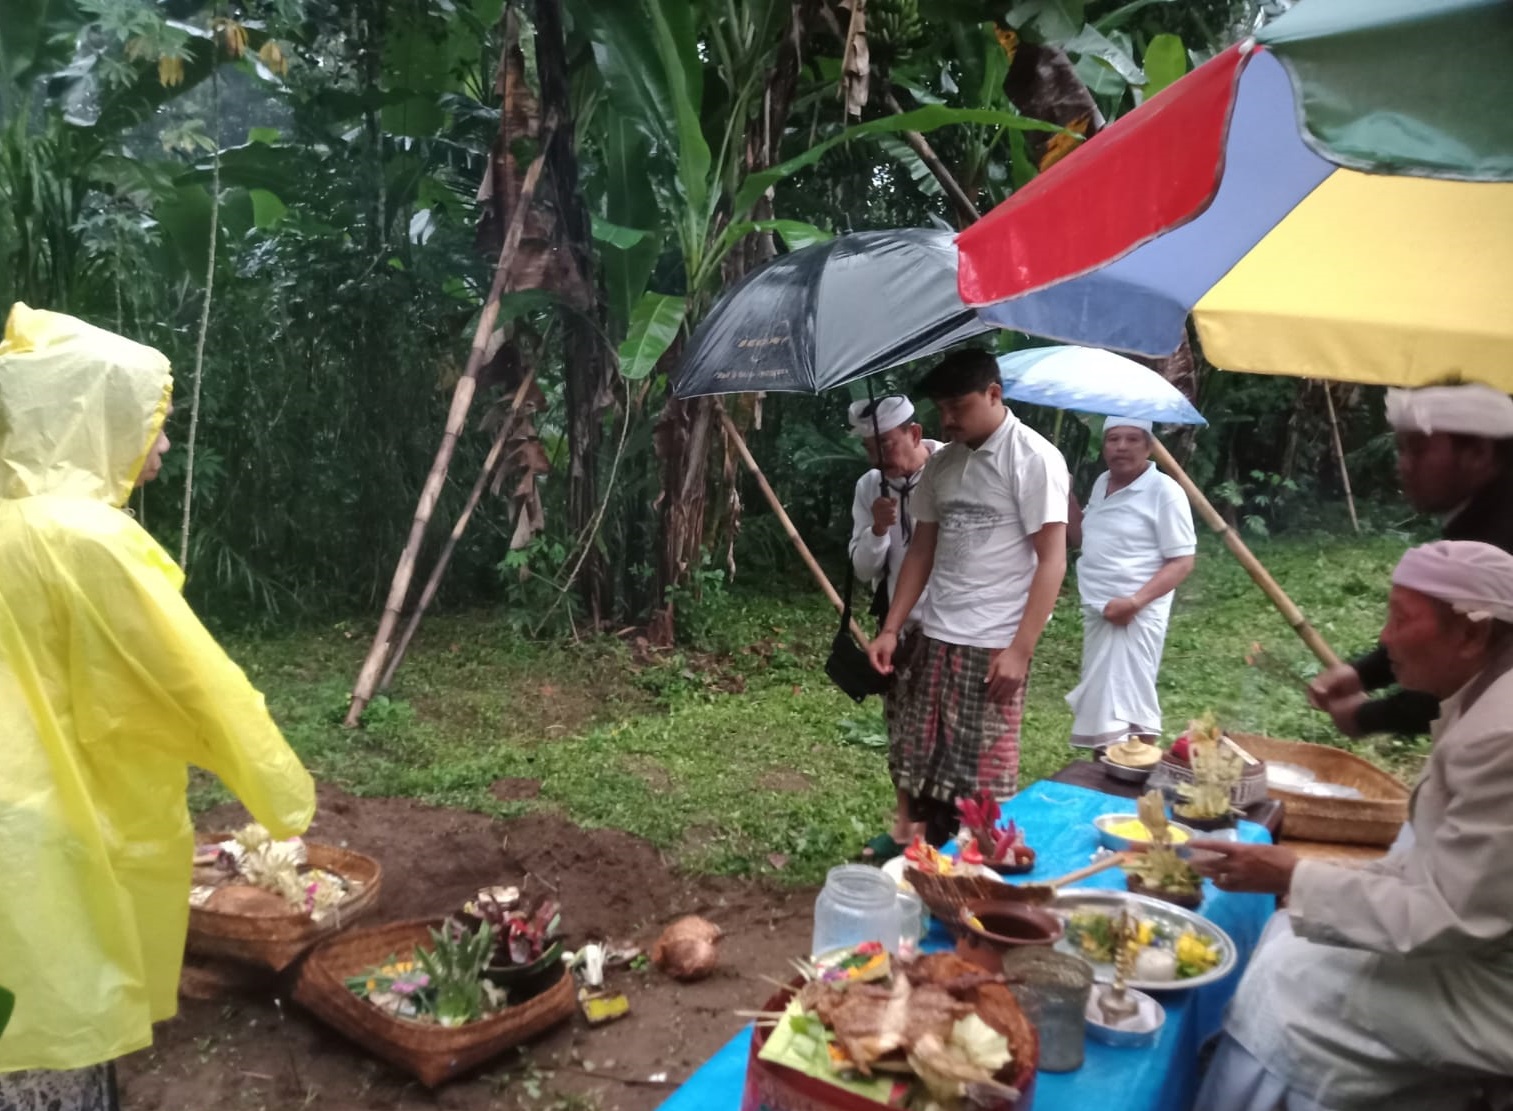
433 582
462 400
1339 454
921 146
793 534
1294 616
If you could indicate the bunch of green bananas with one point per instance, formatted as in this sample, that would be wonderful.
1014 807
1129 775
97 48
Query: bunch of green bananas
894 24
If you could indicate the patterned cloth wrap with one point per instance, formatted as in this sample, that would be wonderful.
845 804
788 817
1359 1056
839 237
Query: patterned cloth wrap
946 737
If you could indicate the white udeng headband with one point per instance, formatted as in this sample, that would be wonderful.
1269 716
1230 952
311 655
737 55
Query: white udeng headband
1476 579
1469 410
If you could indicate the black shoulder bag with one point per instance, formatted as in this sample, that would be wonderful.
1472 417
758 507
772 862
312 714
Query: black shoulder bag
848 666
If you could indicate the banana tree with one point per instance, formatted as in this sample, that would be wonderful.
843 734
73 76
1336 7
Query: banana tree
687 108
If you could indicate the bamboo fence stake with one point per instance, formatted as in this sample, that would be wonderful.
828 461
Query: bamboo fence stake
462 400
1339 454
490 464
793 534
1294 616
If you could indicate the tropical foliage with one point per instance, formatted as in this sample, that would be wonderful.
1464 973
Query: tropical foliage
298 191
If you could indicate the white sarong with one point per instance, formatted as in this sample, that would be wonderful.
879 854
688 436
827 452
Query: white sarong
1117 694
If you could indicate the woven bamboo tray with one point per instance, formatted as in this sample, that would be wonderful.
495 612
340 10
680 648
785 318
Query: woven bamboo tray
1372 820
774 1087
946 895
430 1053
275 941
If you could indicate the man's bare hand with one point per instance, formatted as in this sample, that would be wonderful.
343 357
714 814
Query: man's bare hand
1339 682
1121 611
1233 866
1007 673
881 652
884 516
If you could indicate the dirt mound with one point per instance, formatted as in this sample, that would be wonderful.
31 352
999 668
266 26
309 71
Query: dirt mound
261 1052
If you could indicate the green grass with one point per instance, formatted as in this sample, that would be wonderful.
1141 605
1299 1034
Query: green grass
697 750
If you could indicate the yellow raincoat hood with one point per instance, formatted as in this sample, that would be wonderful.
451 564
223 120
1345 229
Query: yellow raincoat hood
109 688
79 408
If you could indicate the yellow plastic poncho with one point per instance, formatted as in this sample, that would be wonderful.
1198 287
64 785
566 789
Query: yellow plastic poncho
109 688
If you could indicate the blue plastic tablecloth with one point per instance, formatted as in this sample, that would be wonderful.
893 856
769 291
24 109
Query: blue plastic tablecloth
1057 819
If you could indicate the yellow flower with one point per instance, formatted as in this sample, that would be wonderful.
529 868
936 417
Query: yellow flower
170 71
273 57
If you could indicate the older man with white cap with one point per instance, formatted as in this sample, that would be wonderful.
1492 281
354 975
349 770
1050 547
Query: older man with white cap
1390 987
881 528
1138 545
1455 460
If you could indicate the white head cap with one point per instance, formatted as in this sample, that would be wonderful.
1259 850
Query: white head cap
1127 422
888 413
1469 410
1475 578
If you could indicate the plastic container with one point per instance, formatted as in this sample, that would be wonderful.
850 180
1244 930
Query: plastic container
857 904
1053 989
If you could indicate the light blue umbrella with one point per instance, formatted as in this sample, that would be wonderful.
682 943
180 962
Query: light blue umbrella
1091 380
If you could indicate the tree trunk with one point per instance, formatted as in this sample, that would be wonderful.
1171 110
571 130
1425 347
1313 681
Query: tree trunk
587 371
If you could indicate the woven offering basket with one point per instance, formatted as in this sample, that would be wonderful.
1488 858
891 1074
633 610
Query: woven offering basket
432 1054
273 936
1374 819
946 895
774 1087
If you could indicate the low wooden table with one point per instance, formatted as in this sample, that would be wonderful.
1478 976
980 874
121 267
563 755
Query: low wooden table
1089 774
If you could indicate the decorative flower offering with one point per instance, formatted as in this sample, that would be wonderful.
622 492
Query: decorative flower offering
985 842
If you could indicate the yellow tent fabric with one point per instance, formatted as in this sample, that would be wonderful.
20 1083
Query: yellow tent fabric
1396 281
109 688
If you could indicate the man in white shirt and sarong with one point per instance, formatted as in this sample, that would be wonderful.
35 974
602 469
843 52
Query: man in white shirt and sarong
1138 545
989 541
1390 987
882 524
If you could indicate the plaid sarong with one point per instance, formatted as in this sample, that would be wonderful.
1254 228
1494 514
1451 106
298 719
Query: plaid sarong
946 738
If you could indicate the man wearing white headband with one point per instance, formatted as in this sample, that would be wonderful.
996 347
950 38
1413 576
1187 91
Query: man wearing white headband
881 528
1390 987
1138 545
1455 459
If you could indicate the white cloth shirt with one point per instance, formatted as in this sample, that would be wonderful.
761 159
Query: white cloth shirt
876 557
1128 535
1396 979
989 502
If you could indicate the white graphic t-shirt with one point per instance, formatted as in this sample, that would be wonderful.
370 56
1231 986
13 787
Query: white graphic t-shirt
988 502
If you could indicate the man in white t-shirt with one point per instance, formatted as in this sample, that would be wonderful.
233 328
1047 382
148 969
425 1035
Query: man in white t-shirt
990 542
882 524
1138 545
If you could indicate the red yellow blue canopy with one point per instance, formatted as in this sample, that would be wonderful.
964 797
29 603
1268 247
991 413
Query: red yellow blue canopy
1210 200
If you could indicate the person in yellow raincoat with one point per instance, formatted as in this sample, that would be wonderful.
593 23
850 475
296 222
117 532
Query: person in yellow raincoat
109 687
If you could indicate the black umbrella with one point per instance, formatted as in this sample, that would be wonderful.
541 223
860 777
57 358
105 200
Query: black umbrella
829 314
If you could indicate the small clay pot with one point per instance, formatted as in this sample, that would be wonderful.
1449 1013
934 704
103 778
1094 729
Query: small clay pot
1187 900
1002 926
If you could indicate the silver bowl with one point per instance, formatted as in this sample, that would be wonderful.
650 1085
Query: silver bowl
1125 774
1115 843
1151 1011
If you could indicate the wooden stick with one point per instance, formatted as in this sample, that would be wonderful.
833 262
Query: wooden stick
462 400
1290 612
1339 455
490 465
1102 865
782 515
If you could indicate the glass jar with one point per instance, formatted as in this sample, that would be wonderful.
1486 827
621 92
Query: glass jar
911 924
1053 989
858 903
